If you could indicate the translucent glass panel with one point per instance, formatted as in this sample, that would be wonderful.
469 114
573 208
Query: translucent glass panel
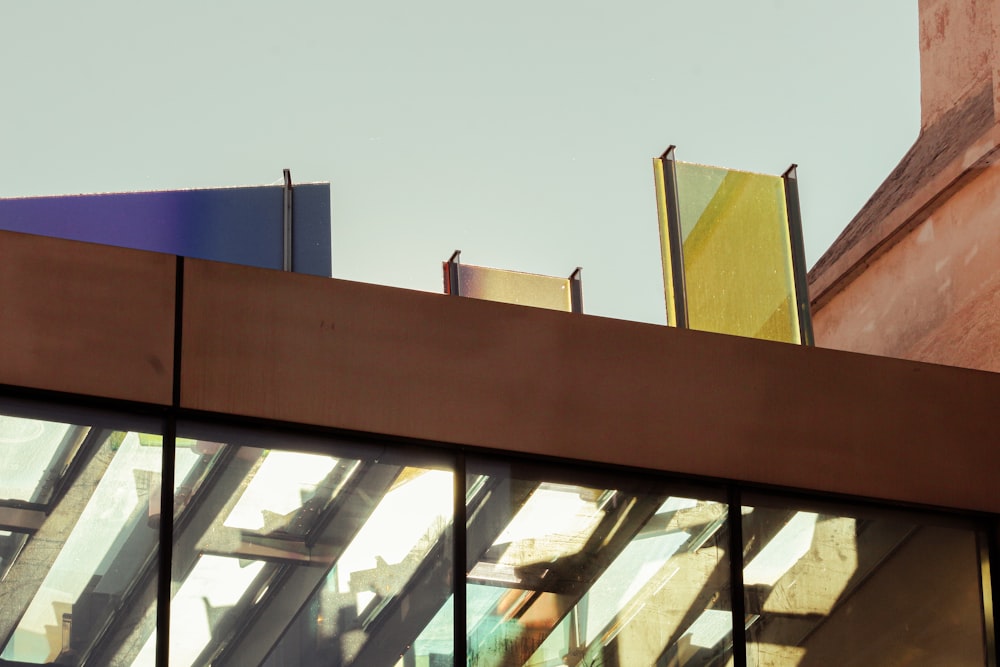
330 556
564 571
79 556
830 588
35 455
526 289
737 253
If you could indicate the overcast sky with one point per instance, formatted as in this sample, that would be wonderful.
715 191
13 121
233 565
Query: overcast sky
520 132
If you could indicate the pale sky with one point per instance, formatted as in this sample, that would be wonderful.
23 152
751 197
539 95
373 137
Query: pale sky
520 132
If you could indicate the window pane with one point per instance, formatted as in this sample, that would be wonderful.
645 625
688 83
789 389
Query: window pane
827 588
77 578
306 552
384 599
35 455
565 571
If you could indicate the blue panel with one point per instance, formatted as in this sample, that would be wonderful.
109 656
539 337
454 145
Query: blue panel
311 233
237 225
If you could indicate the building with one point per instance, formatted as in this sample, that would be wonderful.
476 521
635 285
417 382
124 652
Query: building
211 463
574 441
914 275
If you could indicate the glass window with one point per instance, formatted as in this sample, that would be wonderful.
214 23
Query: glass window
592 571
35 456
828 586
292 551
79 558
307 551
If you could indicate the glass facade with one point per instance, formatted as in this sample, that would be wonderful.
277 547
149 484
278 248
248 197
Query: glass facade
79 549
575 569
292 548
827 584
292 551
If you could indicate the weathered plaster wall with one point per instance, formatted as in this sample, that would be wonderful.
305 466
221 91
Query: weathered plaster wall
956 52
935 295
917 273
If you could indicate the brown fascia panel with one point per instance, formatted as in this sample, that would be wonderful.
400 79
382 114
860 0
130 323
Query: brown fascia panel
86 318
98 321
463 371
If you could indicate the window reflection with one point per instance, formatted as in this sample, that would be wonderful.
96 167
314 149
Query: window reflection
341 554
826 588
382 600
213 588
283 484
242 516
575 574
35 455
79 561
295 557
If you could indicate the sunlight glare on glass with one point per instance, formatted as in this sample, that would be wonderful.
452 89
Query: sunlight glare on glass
284 481
783 551
556 521
98 532
28 448
215 582
413 512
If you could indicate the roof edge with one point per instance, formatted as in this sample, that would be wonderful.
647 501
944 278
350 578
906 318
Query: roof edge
945 156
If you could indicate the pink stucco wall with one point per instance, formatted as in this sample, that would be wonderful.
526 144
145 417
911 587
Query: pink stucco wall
935 295
957 43
924 282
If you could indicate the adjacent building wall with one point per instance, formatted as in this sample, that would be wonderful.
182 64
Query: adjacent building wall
915 274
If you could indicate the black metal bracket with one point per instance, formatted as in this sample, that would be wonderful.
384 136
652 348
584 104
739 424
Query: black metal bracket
799 273
451 274
576 290
675 238
287 222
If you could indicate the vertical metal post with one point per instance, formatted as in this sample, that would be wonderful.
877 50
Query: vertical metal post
576 290
451 285
287 220
675 238
799 272
736 588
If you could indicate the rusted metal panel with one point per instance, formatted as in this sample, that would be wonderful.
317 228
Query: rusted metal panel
420 365
86 318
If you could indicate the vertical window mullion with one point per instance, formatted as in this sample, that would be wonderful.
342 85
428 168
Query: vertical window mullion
735 519
167 480
459 525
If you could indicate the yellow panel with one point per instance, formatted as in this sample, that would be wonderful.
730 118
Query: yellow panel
737 253
525 289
